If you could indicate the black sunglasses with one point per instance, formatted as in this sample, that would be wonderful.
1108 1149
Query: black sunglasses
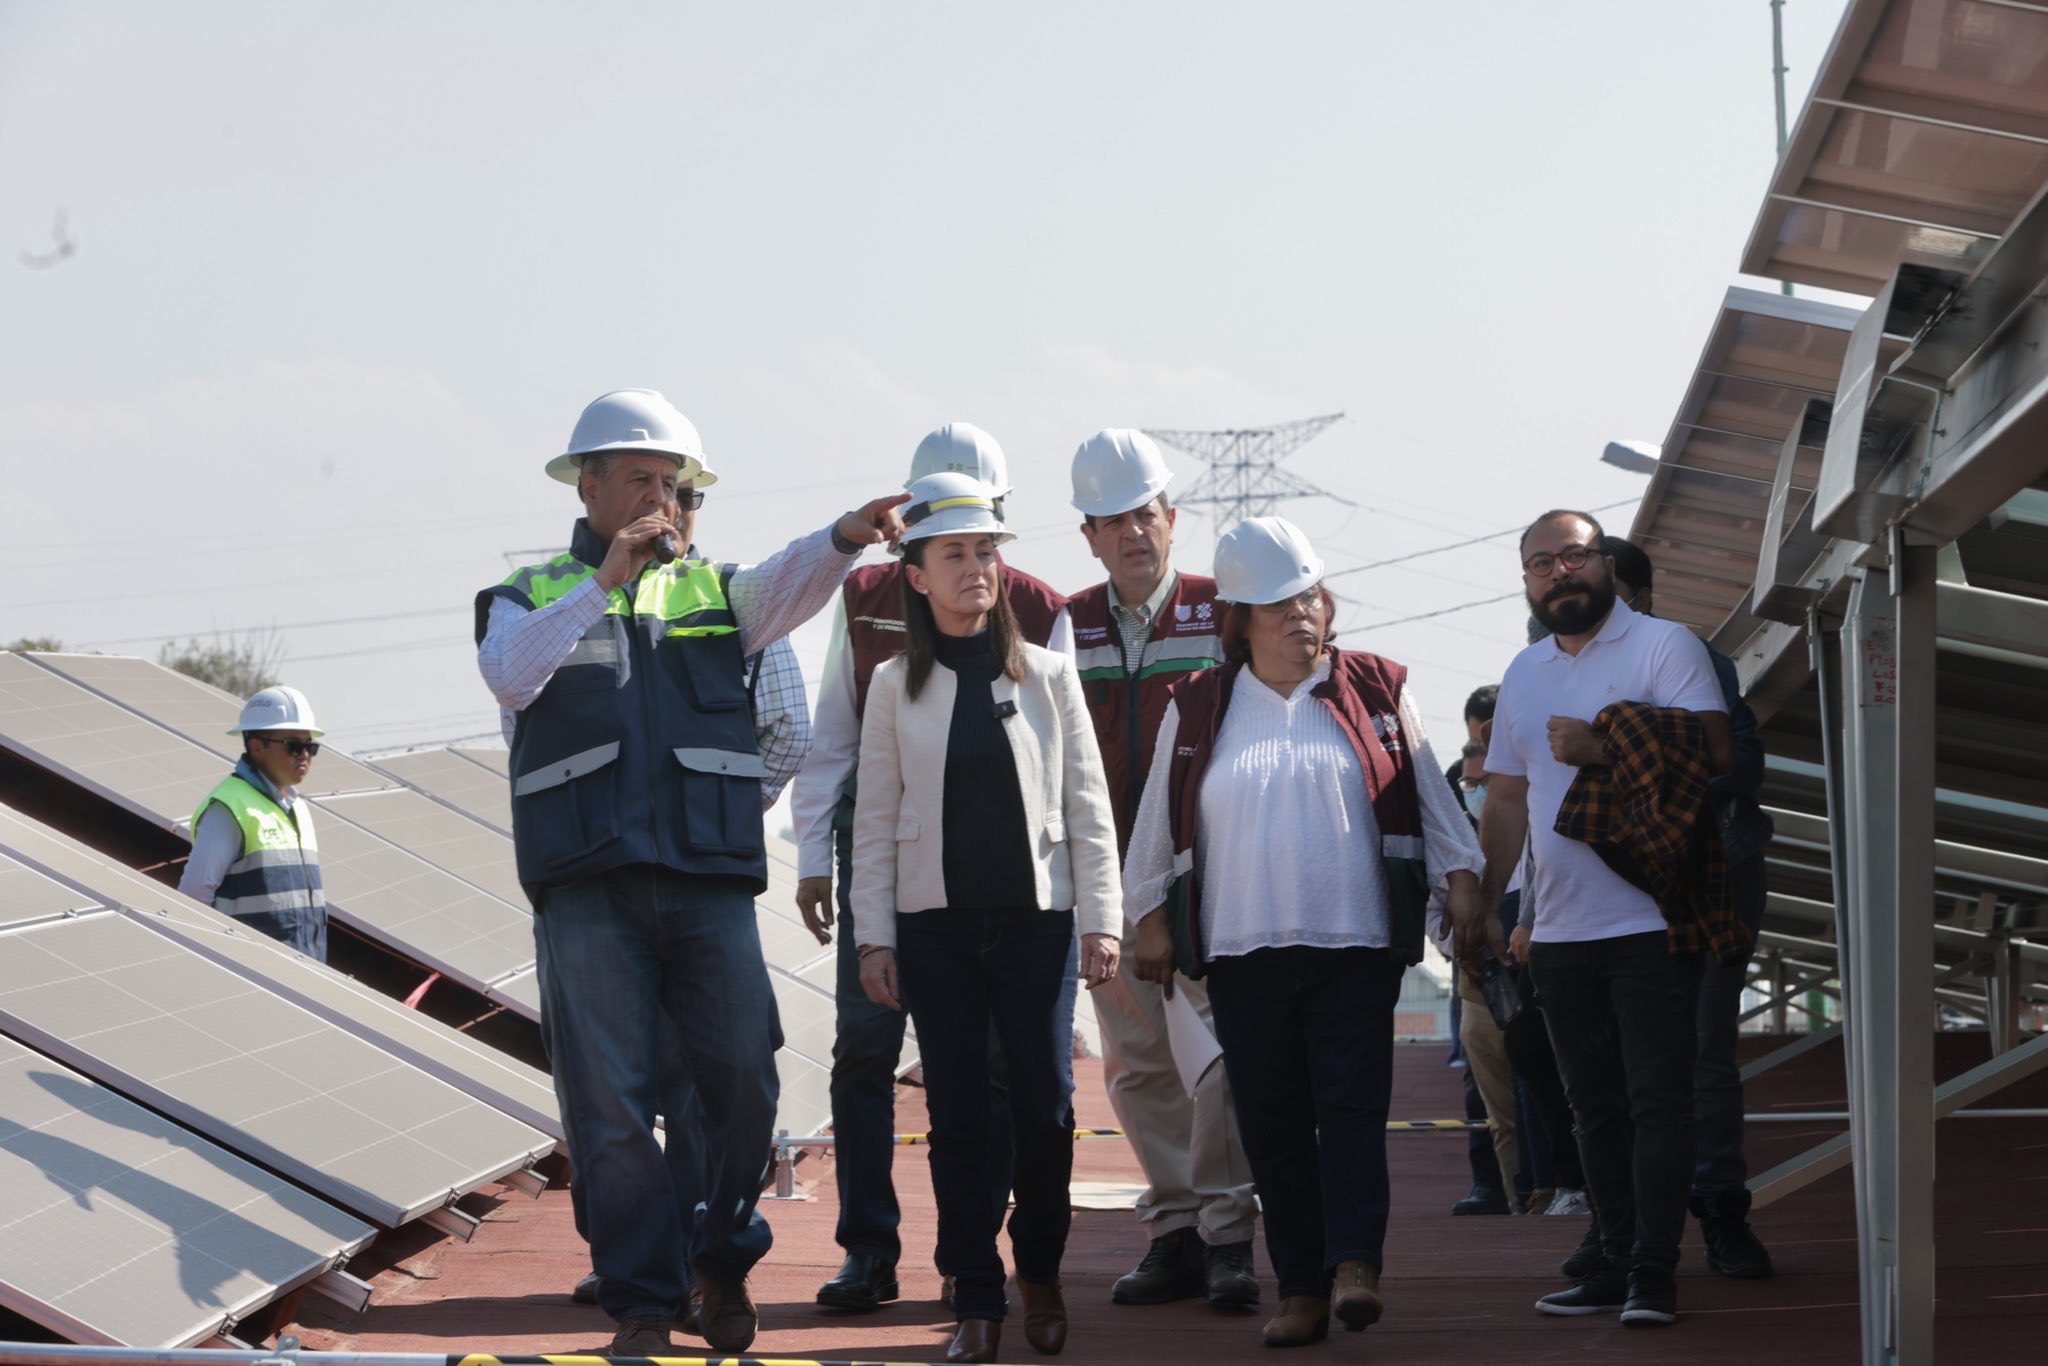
691 499
298 749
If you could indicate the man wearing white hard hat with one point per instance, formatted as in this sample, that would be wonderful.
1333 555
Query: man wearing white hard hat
1290 834
867 630
1135 635
253 852
636 822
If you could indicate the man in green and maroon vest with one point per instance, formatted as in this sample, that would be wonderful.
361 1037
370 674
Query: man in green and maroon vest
1134 635
867 630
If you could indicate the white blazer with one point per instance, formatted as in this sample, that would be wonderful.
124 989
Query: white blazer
899 812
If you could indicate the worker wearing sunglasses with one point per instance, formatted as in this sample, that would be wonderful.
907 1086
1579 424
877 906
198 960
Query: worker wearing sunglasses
253 852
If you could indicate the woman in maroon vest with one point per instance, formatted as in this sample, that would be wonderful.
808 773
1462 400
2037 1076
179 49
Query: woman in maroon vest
1285 850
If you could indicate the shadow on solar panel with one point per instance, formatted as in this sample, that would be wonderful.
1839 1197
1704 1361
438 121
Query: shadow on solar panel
123 1228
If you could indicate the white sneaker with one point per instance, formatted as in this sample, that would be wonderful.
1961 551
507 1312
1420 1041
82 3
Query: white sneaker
1569 1201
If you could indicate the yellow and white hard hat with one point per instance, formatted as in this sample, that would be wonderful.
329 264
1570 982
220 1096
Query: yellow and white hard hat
952 504
961 448
278 708
634 420
1265 559
1117 469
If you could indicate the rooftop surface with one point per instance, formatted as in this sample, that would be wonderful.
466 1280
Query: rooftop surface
1458 1289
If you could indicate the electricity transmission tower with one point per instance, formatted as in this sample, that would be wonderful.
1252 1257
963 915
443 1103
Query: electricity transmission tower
1244 478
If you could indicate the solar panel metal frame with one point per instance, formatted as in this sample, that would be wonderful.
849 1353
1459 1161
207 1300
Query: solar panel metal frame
456 782
437 834
124 1225
300 1043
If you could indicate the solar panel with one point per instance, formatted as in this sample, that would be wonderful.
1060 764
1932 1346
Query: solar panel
199 712
27 895
498 761
396 898
110 751
119 1227
250 1070
447 839
447 776
474 1068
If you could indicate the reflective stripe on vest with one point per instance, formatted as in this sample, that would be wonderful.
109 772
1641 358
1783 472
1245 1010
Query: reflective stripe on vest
279 870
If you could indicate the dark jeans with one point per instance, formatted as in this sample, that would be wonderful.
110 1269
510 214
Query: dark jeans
1719 1168
1535 1064
865 1054
682 1139
1308 1043
1622 1015
616 954
961 970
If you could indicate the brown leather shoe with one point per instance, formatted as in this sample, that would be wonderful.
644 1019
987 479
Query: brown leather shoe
976 1340
641 1337
1302 1319
1045 1316
1356 1299
728 1319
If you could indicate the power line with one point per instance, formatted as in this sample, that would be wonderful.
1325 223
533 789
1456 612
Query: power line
1460 545
296 626
1440 612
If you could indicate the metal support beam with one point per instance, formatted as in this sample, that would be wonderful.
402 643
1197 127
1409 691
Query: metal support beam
1888 641
1791 1050
452 1221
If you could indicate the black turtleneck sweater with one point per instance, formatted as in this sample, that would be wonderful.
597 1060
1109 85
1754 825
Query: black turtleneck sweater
987 850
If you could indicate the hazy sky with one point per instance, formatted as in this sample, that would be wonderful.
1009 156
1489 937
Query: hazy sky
346 273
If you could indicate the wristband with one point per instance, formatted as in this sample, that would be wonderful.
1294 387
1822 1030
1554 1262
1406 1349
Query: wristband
841 544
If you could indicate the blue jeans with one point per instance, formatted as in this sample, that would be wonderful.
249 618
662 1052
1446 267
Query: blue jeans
961 970
616 953
865 1053
1718 1166
682 1136
1308 1043
1622 1014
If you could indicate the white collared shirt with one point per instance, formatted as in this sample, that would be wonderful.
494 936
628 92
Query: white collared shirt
1633 658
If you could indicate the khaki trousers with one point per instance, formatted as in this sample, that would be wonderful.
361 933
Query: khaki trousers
1486 1053
1195 1170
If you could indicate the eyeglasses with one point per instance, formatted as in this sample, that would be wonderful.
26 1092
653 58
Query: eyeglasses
691 499
1543 563
1308 600
298 749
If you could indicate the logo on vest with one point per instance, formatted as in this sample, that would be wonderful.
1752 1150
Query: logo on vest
881 623
1203 611
1182 611
270 834
1184 751
1388 728
1091 633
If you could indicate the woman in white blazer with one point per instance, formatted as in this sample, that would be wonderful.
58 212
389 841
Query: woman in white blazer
982 840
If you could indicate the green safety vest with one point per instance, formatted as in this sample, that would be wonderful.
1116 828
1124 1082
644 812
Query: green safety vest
275 885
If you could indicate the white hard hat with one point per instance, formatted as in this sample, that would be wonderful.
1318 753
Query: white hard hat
949 504
634 420
1265 559
961 448
278 708
1117 469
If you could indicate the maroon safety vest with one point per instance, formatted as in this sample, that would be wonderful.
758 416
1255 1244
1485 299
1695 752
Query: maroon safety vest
1363 692
1127 704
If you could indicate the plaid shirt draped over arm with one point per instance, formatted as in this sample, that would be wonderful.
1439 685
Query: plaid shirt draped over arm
1650 817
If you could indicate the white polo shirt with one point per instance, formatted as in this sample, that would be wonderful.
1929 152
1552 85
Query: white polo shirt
1634 658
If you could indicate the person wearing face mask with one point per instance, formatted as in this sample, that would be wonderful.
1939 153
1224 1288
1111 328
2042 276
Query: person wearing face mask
982 841
254 856
1290 833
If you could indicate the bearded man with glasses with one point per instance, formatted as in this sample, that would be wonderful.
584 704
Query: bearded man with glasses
253 852
1617 971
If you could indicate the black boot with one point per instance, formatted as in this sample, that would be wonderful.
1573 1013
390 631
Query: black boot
1732 1246
866 1281
1173 1269
1231 1282
1587 1256
1483 1200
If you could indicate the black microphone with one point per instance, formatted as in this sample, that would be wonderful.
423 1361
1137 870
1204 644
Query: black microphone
665 548
1003 710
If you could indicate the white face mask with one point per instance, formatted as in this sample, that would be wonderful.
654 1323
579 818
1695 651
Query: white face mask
1475 800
